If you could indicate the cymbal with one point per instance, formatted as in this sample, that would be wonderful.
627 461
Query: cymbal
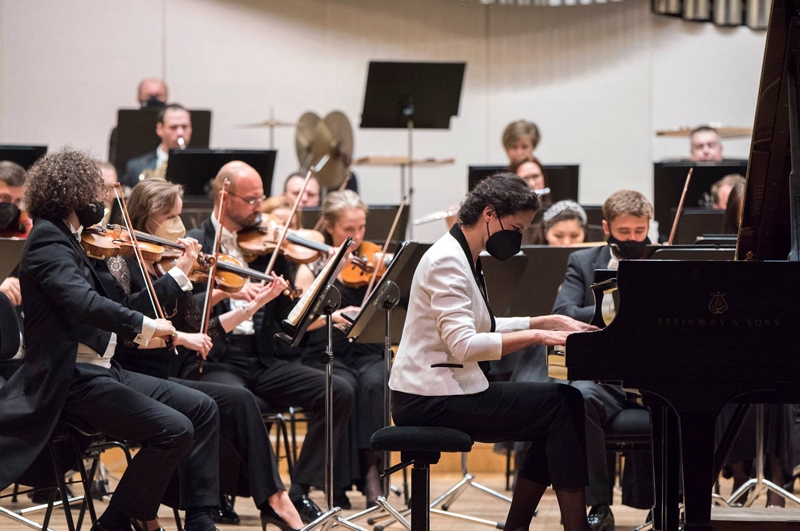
724 132
270 122
401 161
332 136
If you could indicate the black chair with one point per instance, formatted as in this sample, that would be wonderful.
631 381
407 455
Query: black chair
627 432
275 415
420 446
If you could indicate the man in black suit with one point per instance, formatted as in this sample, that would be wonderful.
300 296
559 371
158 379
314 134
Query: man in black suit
626 222
150 92
246 357
174 128
73 319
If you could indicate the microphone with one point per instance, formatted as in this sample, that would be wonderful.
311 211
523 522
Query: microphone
181 142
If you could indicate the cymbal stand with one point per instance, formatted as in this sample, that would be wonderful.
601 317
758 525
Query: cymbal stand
759 485
331 301
388 300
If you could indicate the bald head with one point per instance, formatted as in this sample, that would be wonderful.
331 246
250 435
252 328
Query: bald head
245 195
151 88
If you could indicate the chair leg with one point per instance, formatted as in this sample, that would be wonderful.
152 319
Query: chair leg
62 486
177 519
49 511
420 496
15 493
284 433
87 485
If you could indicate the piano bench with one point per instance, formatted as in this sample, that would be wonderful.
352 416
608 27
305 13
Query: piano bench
420 446
629 430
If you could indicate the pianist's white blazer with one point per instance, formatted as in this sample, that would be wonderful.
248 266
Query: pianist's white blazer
447 324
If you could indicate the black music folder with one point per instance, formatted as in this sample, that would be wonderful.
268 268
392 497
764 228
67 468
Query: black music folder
562 179
136 133
196 168
10 255
25 156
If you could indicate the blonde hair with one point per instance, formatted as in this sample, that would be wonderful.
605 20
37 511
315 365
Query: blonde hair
516 130
337 202
733 180
271 204
152 196
627 203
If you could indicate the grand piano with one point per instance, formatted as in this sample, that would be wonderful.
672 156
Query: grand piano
692 336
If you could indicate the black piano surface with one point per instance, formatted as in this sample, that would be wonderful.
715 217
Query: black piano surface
692 336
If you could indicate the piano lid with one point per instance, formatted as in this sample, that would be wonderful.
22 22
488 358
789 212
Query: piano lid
765 232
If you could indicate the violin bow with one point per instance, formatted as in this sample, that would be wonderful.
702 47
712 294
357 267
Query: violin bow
206 317
284 234
383 250
680 207
151 290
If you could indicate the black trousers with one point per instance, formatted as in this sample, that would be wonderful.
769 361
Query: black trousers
602 403
287 384
241 425
550 416
175 425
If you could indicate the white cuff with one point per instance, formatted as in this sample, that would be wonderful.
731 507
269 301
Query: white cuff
148 329
181 278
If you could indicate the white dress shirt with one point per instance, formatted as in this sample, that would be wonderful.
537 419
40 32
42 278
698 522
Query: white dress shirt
448 328
229 244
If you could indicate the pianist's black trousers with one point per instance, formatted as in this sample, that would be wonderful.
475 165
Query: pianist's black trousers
173 423
602 403
550 416
285 384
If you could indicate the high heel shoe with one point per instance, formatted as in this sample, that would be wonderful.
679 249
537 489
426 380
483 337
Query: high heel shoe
269 516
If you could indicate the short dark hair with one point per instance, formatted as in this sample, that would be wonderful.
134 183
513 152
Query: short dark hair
171 107
291 176
61 182
12 173
507 192
702 129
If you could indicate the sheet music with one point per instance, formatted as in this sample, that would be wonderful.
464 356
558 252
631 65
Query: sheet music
302 305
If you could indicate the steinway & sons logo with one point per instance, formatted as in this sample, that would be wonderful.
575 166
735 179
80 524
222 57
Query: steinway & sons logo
717 306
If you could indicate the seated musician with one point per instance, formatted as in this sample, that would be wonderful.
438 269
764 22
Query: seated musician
450 329
362 365
155 207
174 126
733 206
281 206
13 221
627 216
74 318
520 138
721 190
294 183
705 144
246 356
564 224
150 92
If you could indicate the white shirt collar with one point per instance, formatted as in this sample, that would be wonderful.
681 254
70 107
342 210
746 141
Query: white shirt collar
161 155
76 233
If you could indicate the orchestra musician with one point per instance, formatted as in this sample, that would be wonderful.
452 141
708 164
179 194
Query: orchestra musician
281 206
13 221
344 215
520 138
626 221
437 378
174 126
246 356
151 92
564 224
294 183
155 207
74 318
721 190
705 144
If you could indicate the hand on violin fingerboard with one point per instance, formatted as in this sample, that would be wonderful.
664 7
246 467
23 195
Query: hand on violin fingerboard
247 293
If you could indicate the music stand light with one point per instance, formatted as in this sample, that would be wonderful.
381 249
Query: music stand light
411 96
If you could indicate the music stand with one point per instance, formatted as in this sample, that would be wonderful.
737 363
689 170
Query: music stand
25 156
196 168
562 179
10 255
695 222
322 298
136 133
411 96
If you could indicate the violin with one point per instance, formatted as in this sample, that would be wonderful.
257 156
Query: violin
363 264
101 243
302 246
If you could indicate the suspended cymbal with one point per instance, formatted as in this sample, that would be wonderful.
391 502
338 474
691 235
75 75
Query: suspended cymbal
724 132
332 136
270 122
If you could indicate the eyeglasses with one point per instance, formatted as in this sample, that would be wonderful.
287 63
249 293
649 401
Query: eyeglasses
250 200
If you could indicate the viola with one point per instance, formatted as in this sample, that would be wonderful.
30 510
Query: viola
365 260
302 246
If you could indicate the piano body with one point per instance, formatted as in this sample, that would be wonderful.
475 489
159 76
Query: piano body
699 334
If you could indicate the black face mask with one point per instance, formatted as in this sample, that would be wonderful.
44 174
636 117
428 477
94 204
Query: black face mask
152 102
628 249
503 244
9 216
91 214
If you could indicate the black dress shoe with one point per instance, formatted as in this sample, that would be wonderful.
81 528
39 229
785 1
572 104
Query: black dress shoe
341 501
269 516
308 510
601 518
224 514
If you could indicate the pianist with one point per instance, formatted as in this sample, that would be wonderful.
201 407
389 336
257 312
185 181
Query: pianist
626 221
437 378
